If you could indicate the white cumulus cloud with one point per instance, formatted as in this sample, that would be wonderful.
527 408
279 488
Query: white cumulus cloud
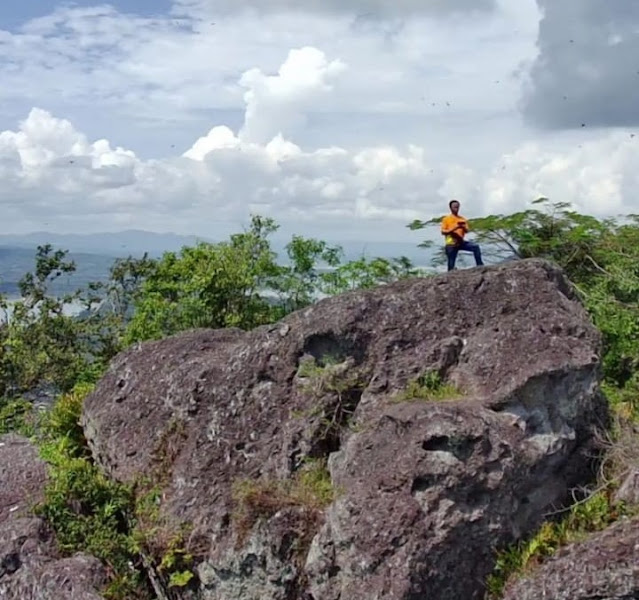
54 176
597 176
278 103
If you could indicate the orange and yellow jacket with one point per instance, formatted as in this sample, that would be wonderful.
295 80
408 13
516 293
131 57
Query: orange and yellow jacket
454 227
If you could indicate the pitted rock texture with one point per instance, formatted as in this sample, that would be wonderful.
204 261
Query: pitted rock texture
426 490
22 477
604 567
30 566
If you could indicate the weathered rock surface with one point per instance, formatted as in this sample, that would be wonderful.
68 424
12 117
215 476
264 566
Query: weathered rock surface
628 492
426 489
604 567
22 476
30 568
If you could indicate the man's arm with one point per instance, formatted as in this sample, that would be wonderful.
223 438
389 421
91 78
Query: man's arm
447 227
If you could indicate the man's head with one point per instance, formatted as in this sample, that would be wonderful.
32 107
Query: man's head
454 206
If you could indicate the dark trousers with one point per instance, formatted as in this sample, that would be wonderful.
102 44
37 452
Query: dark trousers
452 251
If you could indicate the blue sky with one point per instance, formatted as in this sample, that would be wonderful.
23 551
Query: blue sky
338 119
13 14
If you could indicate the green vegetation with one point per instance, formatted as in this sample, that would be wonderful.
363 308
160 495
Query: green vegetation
330 375
177 562
17 416
255 500
88 511
242 283
590 515
429 386
335 386
311 368
120 524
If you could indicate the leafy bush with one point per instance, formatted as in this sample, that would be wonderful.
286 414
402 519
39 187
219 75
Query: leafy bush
593 514
88 511
17 416
429 386
234 283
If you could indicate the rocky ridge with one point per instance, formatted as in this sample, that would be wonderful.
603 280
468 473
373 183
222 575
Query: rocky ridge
383 444
452 414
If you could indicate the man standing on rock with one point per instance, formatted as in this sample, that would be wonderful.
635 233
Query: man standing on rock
455 227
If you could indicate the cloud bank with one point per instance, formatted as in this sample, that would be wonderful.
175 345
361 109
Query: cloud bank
381 8
586 73
52 174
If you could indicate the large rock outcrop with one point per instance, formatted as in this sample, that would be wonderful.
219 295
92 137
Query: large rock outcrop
30 566
428 480
604 567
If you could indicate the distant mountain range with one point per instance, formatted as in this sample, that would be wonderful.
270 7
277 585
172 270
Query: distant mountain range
135 242
95 253
16 262
117 244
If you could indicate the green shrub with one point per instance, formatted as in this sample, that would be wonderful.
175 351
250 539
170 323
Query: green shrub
590 515
177 562
17 416
62 421
429 386
88 511
624 400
